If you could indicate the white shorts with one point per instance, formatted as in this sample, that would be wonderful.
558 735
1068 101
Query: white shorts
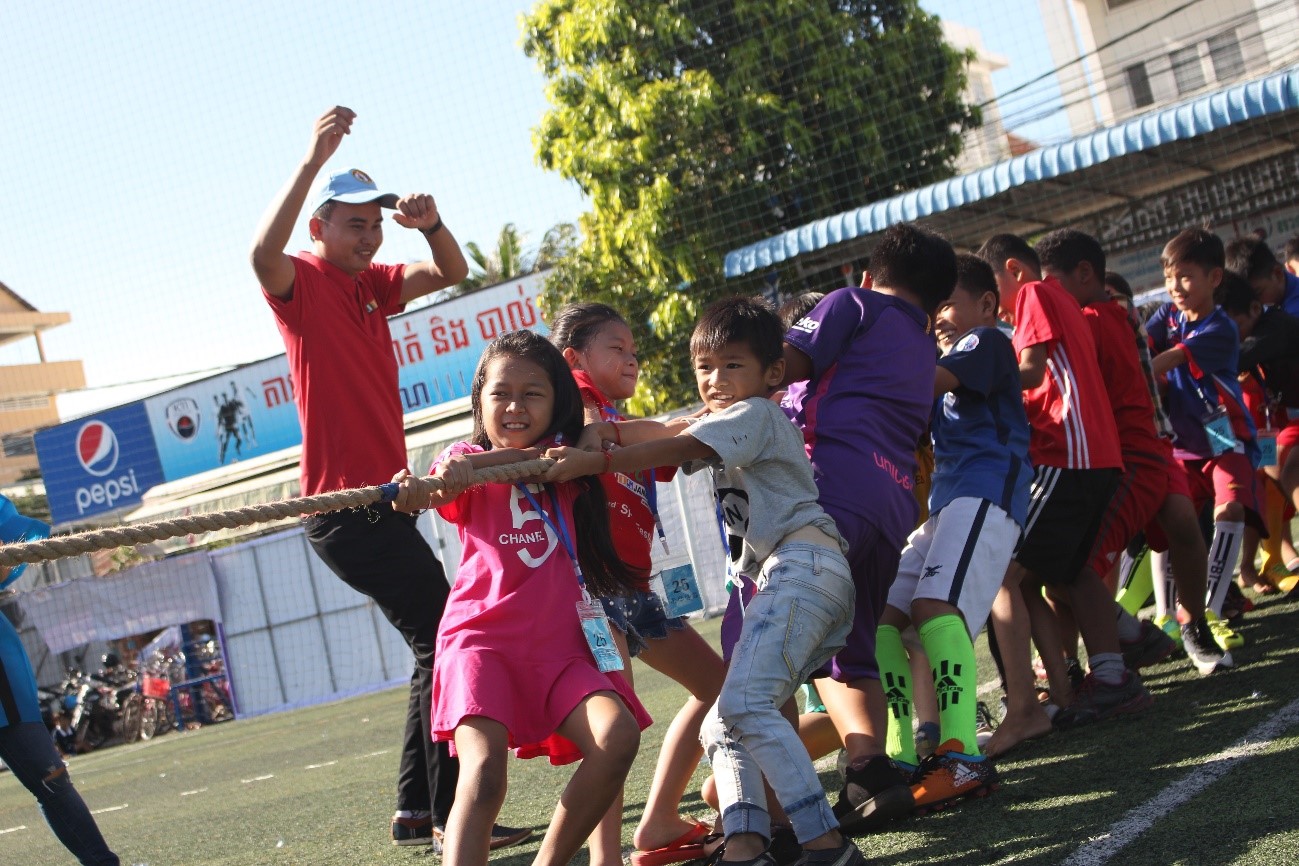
959 556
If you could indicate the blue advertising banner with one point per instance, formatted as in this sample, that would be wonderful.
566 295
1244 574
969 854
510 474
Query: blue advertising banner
99 463
220 420
249 411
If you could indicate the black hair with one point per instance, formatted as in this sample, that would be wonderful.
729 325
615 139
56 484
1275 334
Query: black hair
797 307
1064 249
576 325
917 261
1250 257
1148 309
325 211
974 276
604 571
1234 294
998 248
1119 283
1194 246
740 320
1292 248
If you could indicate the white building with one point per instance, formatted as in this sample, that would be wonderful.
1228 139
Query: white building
1140 54
987 143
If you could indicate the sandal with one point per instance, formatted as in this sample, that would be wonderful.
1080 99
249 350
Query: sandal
690 845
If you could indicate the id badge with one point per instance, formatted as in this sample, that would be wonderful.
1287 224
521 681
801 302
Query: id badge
595 626
1217 427
680 591
1267 447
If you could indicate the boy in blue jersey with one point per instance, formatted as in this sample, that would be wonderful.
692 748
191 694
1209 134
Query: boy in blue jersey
1272 282
1214 436
953 565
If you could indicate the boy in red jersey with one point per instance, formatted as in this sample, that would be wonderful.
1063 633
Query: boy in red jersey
1153 486
1074 447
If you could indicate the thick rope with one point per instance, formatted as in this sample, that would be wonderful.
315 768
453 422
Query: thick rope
114 537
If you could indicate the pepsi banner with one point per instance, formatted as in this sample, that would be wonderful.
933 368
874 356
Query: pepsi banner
249 411
99 463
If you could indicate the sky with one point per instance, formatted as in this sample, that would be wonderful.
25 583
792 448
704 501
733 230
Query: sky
144 140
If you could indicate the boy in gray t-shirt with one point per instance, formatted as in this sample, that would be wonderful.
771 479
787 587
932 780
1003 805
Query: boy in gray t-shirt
779 536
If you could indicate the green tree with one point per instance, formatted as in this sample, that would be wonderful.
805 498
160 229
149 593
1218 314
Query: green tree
505 262
696 126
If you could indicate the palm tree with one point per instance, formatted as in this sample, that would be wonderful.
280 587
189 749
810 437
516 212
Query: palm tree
510 259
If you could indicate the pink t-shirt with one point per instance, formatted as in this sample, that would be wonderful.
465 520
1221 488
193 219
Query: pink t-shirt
510 646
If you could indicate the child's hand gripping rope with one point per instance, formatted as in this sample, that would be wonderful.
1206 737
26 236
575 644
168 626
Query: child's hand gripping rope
130 535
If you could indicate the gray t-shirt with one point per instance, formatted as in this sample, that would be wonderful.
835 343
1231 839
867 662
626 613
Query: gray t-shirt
763 479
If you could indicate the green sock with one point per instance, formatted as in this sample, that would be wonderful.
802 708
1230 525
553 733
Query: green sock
895 677
951 653
1140 586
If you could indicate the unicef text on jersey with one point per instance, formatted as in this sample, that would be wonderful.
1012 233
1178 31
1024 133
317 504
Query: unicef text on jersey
104 494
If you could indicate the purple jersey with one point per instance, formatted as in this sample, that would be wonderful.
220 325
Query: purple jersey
867 403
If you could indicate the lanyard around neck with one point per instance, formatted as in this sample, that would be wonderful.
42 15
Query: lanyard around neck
558 525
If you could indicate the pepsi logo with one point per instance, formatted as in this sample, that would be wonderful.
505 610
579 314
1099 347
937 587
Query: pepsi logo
97 448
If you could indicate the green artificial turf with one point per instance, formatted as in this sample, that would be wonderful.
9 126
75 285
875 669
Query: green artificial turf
200 797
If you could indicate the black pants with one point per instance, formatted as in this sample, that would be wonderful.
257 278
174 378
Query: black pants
379 553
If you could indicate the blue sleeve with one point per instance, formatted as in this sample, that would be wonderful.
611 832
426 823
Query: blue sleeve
826 333
1215 345
1157 328
1290 302
974 359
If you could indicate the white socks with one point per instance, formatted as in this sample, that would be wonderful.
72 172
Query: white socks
1224 551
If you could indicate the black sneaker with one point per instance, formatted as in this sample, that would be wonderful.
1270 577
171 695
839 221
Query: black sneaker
784 848
845 855
873 796
1075 671
1097 700
1151 647
415 831
1202 649
504 837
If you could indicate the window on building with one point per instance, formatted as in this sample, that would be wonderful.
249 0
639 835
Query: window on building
1187 69
18 445
1224 52
1139 84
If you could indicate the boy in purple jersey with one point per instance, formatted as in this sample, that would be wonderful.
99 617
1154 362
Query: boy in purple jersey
869 360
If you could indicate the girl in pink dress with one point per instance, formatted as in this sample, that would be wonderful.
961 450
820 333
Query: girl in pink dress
514 668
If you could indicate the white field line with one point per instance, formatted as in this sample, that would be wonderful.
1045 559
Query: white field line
1127 829
13 829
318 766
111 809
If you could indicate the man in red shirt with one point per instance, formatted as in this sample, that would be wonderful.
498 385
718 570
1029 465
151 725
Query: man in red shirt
331 307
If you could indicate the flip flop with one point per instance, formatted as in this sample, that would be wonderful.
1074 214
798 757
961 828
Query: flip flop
688 846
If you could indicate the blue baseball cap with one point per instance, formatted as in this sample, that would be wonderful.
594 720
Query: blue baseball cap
352 187
15 527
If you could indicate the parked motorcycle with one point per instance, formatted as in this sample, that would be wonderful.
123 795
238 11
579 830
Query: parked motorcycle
108 707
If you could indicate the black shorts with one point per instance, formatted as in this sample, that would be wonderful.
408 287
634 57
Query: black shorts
1065 510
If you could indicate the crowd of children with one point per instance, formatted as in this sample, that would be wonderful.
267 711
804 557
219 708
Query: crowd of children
1068 432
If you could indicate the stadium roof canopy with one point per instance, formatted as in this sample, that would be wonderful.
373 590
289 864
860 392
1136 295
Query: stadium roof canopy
1063 184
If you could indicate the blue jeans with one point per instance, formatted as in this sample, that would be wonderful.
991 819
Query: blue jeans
798 619
29 751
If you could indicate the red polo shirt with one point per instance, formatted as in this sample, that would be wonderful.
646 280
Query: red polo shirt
335 331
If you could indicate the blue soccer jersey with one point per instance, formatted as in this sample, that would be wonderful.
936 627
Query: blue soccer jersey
1206 381
980 429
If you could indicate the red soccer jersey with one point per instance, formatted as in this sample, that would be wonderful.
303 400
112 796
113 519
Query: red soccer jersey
335 331
1069 413
631 521
1125 381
